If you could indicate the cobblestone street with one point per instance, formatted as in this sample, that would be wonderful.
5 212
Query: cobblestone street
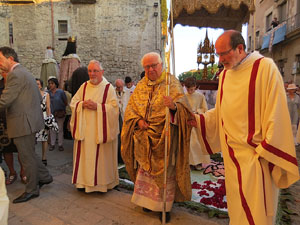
60 203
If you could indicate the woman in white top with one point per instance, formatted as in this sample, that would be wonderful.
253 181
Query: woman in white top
42 135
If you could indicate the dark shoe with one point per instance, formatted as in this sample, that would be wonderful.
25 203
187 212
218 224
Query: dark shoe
44 161
60 148
81 189
41 183
116 188
147 210
25 197
168 217
51 147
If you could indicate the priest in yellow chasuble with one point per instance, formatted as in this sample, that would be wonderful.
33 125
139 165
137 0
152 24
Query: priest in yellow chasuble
143 139
251 124
95 127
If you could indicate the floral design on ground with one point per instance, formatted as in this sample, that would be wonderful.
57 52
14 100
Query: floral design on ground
212 193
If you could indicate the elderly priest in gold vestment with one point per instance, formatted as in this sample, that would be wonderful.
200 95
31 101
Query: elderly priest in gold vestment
143 139
95 128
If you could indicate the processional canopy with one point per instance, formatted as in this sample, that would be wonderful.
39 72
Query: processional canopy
226 14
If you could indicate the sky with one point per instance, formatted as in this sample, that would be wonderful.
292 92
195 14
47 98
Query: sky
186 41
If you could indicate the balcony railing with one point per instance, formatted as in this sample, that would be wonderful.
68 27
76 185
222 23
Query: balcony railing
293 23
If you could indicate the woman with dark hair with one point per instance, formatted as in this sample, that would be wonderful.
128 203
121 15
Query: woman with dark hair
80 75
70 49
69 62
58 102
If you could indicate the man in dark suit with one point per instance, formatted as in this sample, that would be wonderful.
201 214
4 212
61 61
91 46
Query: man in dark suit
22 99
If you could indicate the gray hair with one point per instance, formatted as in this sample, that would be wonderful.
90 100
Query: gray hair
93 61
151 54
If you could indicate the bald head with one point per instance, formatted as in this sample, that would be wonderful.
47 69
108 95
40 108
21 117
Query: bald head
230 47
119 83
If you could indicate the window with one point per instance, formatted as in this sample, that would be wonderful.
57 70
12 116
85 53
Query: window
282 12
257 40
268 22
62 26
249 43
11 33
281 66
298 64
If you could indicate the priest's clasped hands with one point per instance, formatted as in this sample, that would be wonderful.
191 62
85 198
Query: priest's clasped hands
89 104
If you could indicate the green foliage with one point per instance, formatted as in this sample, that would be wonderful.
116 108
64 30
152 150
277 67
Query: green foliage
217 157
199 73
185 75
123 173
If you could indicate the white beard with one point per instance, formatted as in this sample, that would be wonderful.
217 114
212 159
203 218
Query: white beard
94 81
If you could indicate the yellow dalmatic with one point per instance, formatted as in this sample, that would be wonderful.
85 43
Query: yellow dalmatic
251 125
144 149
95 133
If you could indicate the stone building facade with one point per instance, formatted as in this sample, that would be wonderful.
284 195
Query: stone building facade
282 43
115 32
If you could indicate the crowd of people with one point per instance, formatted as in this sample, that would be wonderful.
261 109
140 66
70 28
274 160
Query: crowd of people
249 124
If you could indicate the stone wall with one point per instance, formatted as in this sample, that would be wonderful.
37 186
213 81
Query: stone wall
116 32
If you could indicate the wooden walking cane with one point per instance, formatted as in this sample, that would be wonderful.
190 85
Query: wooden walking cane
167 133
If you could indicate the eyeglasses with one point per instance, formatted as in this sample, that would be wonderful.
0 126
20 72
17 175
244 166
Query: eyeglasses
224 53
153 66
95 71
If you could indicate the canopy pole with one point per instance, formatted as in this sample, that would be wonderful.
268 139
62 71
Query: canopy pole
167 133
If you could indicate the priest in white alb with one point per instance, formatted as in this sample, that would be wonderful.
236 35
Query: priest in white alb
251 124
95 128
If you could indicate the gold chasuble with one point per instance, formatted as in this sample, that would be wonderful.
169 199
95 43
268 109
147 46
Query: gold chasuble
95 133
252 127
144 149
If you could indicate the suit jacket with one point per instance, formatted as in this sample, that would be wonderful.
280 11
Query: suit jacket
22 100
